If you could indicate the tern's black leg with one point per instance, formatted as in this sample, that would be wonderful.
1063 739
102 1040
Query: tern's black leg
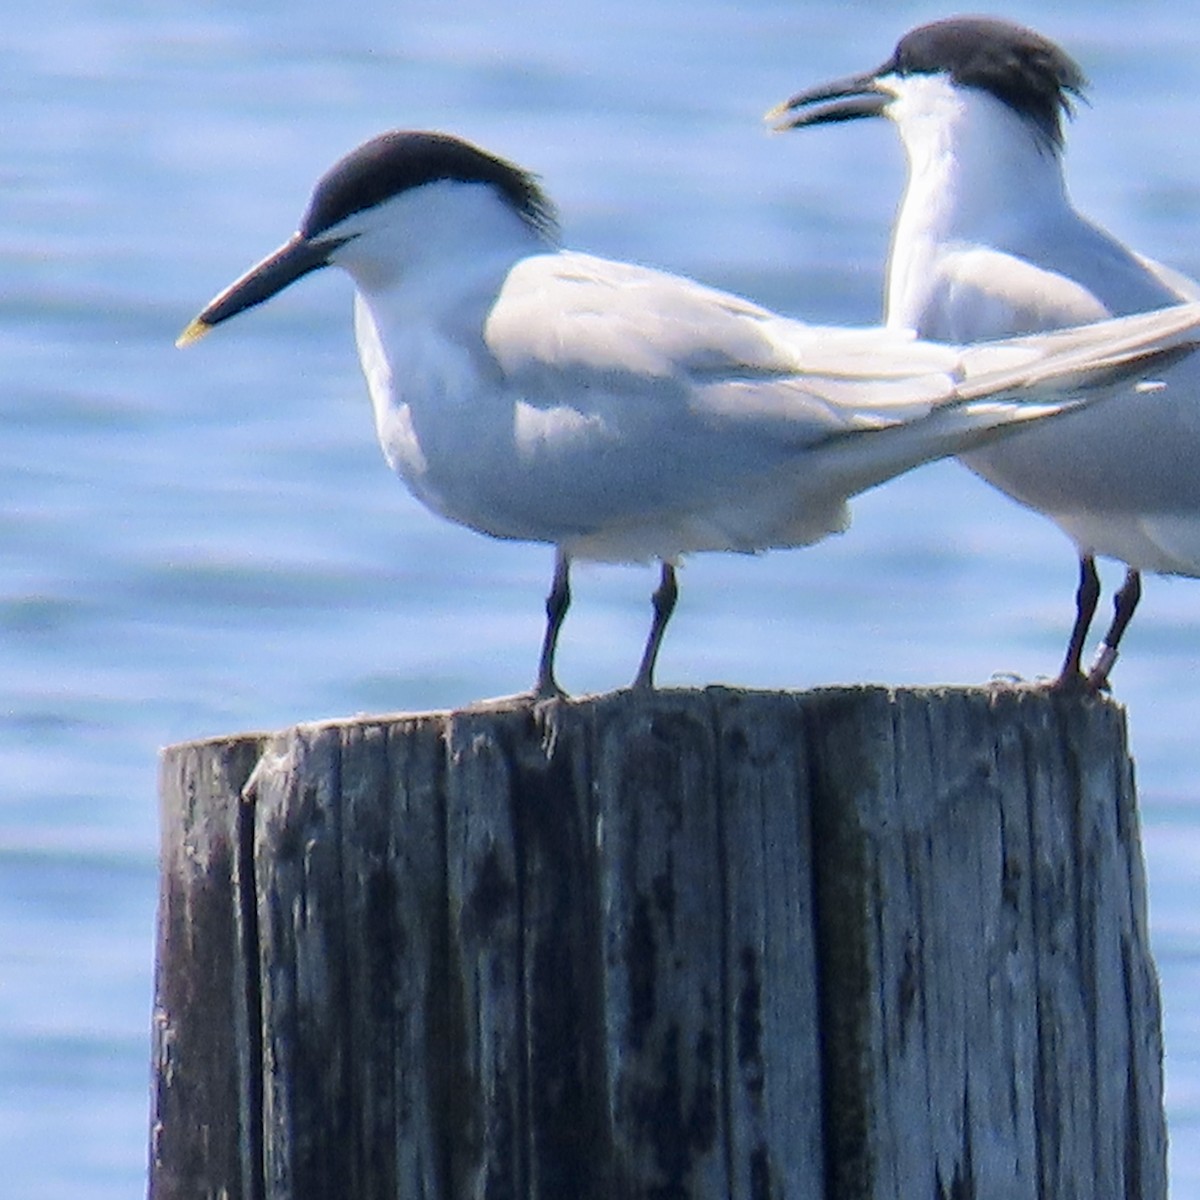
557 603
1124 603
664 605
1087 596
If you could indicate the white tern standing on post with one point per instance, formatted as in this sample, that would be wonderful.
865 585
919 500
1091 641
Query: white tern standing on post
987 244
623 414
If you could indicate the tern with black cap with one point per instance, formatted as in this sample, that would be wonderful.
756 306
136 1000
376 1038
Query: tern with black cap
987 244
623 414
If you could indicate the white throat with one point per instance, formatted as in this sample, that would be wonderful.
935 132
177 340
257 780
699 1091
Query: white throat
429 246
978 174
428 267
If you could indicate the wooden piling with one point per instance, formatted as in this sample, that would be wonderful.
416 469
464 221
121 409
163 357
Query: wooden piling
847 944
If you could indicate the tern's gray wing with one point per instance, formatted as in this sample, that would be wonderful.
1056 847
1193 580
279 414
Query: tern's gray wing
1088 474
978 292
570 319
632 414
569 325
655 416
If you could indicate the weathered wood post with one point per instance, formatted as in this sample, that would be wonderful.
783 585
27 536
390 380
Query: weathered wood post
846 944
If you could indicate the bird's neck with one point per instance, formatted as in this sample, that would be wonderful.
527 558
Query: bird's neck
421 340
978 175
451 294
444 244
421 330
430 284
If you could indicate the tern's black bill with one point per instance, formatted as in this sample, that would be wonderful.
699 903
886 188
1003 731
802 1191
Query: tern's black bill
297 257
848 99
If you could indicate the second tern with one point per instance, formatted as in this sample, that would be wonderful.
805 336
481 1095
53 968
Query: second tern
987 244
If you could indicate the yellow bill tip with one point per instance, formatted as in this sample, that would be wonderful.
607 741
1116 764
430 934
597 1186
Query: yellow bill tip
193 333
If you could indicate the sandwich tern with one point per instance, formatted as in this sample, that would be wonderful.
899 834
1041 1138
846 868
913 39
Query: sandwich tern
987 244
624 414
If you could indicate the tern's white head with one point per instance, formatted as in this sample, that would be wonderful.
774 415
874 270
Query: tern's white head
979 104
955 74
405 206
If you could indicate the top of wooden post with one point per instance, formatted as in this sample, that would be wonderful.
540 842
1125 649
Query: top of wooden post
855 943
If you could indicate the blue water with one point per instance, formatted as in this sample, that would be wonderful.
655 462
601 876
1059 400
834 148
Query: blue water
207 542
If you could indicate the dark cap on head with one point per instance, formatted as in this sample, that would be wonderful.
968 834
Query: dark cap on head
398 161
1026 71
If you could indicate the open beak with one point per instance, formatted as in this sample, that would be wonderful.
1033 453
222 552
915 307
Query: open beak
843 100
297 257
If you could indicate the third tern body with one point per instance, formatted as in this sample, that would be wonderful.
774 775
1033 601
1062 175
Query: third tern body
625 414
988 244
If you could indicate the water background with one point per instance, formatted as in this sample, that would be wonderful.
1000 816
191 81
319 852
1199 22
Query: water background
200 543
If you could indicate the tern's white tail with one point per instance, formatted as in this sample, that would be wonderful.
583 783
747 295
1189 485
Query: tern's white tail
1006 385
1080 361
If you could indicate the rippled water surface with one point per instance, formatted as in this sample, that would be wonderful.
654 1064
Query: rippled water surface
201 543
